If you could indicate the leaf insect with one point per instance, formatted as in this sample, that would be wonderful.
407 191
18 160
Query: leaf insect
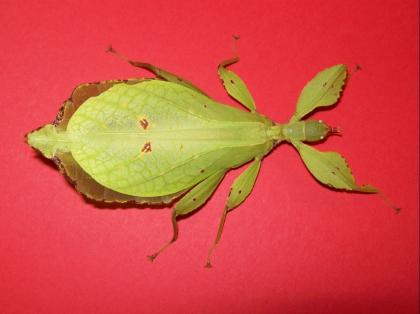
160 140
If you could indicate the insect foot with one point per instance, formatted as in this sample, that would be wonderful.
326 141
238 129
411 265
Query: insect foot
152 257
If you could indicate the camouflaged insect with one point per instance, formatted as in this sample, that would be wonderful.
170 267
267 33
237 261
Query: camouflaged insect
153 141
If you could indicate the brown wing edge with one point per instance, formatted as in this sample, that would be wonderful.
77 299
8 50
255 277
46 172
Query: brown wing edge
87 186
79 178
82 93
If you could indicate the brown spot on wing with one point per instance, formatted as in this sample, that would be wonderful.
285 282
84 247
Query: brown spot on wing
147 147
144 123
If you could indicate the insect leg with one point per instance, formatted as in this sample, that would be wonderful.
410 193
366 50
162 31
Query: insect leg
239 191
330 168
196 197
233 84
166 75
174 237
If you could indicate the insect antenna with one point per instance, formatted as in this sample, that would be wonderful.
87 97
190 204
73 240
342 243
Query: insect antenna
335 131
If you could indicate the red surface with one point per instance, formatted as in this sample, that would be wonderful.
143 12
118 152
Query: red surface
293 246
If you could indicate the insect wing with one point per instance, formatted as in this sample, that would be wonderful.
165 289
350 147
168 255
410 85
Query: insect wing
155 138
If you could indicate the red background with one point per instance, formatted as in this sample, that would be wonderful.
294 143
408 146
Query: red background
293 246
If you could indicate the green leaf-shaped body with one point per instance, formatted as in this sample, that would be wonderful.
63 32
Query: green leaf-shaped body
157 138
151 141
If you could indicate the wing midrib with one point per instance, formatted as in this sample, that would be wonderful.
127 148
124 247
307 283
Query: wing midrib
251 132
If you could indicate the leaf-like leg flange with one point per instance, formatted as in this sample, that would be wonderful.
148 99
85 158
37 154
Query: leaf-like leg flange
239 191
330 168
196 197
234 85
322 91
